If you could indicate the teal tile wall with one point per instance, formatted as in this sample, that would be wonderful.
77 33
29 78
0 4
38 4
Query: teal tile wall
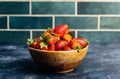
110 23
98 8
101 37
78 22
37 34
99 22
13 37
53 8
3 22
14 7
24 22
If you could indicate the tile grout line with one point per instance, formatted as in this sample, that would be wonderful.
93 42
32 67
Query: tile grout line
53 21
106 30
30 7
8 22
98 26
63 15
76 7
82 30
76 33
23 29
31 34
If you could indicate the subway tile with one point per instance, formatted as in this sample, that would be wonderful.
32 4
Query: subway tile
53 7
3 22
110 22
13 37
101 37
14 7
25 22
77 22
98 8
37 34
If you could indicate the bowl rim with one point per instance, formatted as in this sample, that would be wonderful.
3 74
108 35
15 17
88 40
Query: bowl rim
49 51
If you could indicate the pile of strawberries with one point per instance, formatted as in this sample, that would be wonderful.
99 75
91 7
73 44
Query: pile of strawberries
59 38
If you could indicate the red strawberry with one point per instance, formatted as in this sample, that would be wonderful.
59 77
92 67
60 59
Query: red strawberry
38 46
34 44
37 39
61 44
67 37
59 49
61 29
67 48
51 47
44 48
82 41
67 31
74 44
46 34
52 39
50 30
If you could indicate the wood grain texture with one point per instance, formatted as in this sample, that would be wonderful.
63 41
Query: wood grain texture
58 61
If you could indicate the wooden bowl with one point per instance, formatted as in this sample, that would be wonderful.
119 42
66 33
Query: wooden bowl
58 61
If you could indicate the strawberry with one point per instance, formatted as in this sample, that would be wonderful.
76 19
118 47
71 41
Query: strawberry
74 44
67 37
38 46
51 47
34 44
50 30
44 48
61 29
59 49
61 44
82 41
46 34
30 41
50 39
58 38
66 48
37 39
43 45
67 31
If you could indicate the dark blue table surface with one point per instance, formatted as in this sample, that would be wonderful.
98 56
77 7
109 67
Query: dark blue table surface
101 62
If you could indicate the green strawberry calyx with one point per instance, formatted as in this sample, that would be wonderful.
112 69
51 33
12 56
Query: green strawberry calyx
78 48
30 41
43 44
